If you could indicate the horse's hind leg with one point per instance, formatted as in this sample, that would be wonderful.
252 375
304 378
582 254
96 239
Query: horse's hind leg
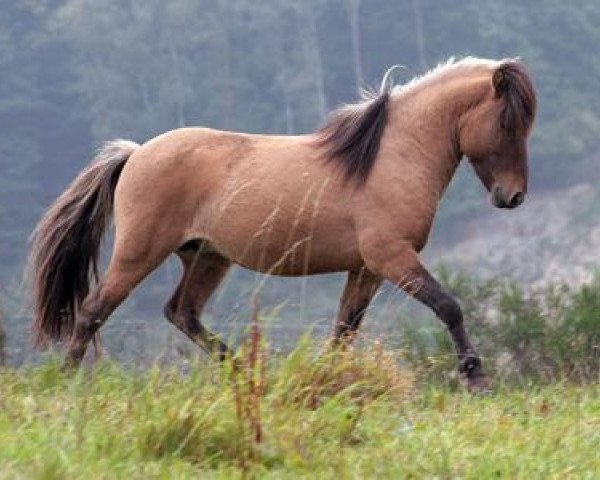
359 290
202 274
124 273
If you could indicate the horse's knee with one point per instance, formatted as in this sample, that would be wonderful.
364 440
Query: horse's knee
92 314
99 304
182 316
173 313
99 301
91 310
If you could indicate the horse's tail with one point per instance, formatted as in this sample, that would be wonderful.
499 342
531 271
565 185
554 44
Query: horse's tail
66 243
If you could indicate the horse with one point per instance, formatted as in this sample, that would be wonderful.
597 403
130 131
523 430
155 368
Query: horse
358 195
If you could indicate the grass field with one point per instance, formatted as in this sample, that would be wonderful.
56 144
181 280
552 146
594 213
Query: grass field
351 415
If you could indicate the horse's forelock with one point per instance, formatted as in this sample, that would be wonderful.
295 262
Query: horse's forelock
513 83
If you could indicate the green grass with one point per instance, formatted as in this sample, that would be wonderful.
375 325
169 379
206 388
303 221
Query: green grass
351 415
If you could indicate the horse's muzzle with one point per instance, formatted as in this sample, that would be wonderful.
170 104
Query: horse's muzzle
501 201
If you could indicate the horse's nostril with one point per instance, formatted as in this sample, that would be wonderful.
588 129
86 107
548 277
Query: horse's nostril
517 199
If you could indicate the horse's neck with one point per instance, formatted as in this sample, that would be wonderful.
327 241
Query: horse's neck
423 128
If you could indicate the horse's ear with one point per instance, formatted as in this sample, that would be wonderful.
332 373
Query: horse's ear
499 80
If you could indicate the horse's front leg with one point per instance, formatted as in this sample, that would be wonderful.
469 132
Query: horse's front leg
406 271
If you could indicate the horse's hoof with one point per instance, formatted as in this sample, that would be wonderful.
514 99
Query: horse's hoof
69 366
480 386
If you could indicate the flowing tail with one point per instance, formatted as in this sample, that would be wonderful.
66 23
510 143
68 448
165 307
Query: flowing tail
66 242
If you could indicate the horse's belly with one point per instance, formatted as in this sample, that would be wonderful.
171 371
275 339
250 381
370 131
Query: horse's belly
299 259
284 248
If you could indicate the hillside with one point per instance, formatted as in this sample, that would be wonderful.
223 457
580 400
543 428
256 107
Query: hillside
553 237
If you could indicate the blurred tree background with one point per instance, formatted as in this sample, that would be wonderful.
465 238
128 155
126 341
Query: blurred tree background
78 72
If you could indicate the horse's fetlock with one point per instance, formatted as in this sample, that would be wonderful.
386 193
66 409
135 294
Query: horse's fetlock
471 366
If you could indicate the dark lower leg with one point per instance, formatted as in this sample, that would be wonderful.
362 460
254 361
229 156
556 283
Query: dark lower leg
346 327
428 291
82 335
120 279
202 274
185 319
406 271
358 292
94 311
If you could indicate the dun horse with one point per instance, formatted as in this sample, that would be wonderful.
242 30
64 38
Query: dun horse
357 196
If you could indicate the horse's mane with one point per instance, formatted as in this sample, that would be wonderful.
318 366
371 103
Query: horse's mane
352 134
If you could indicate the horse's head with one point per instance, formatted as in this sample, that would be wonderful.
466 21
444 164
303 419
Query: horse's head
493 133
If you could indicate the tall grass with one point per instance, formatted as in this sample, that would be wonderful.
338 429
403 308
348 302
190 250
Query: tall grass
242 419
358 413
354 414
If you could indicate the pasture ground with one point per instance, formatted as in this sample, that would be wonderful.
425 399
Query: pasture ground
348 415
